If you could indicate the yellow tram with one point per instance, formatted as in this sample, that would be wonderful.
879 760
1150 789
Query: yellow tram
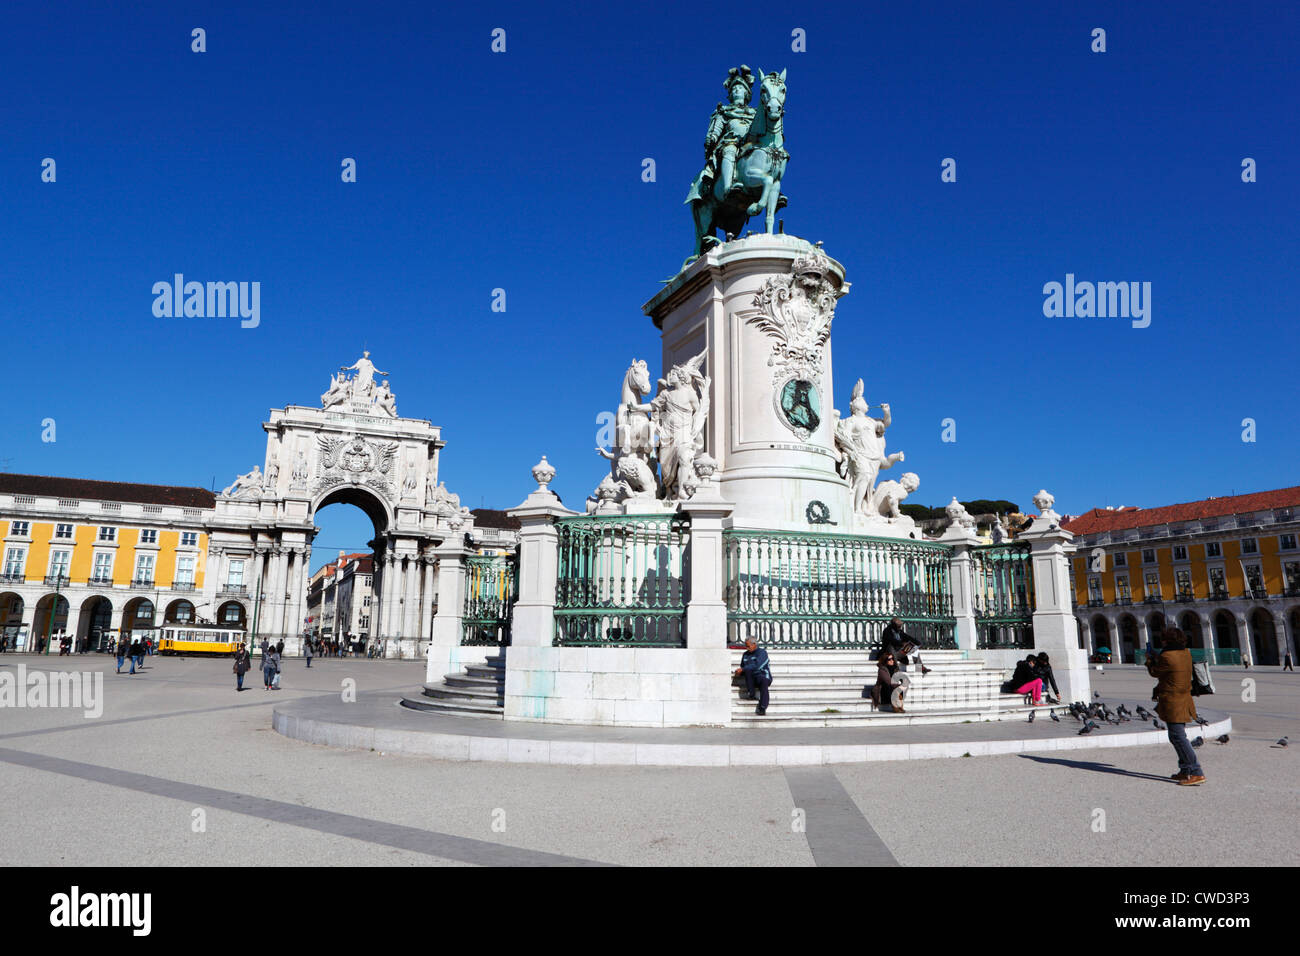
200 639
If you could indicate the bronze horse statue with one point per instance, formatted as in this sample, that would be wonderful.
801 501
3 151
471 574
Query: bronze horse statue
759 169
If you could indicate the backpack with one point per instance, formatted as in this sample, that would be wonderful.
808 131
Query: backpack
1202 681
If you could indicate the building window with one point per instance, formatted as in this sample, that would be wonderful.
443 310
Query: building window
1254 577
59 562
1286 542
144 569
235 576
1292 571
1094 590
1121 587
1121 559
144 612
15 559
185 569
369 582
1180 552
149 536
1213 549
63 531
232 613
107 534
1183 578
1153 585
189 539
364 622
1148 556
103 573
1218 583
19 529
1249 546
365 601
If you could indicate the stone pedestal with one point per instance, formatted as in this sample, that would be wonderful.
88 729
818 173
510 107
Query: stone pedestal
760 306
961 577
446 656
1055 630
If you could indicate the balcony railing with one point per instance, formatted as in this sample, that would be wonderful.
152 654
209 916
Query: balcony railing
1219 594
1096 602
182 585
1124 601
1186 597
13 577
233 589
100 582
1153 599
1258 593
142 582
56 580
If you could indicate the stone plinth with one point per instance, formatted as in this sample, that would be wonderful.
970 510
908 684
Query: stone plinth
762 325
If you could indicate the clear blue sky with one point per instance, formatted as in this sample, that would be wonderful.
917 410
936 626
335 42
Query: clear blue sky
522 171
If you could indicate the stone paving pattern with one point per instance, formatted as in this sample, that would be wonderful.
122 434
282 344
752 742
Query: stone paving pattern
121 791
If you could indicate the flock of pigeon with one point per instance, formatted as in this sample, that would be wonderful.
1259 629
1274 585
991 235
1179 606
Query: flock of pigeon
1089 714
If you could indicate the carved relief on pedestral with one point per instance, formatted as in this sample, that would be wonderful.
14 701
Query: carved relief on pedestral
796 312
357 460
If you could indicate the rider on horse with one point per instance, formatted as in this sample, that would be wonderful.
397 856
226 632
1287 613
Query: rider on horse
728 127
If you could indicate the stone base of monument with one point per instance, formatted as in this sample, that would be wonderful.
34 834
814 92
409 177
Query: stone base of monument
824 688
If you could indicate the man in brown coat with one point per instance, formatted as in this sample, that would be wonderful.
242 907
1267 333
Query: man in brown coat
1172 667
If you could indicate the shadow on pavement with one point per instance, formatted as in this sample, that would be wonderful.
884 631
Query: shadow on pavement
1093 766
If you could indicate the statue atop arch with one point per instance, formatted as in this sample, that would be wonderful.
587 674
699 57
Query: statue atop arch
360 389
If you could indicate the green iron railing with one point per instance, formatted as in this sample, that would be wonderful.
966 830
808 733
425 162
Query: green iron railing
803 589
622 581
491 587
1003 592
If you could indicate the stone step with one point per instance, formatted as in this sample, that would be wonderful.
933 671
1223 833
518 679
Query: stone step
475 675
850 692
849 655
877 719
445 692
862 673
460 709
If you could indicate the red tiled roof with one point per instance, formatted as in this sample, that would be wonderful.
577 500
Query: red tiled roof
1100 520
55 487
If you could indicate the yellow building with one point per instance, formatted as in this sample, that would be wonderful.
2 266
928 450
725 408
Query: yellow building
1224 570
93 559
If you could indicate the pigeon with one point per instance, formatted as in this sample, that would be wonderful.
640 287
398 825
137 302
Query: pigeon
1222 738
1087 728
1202 721
1105 712
1121 711
1158 725
1283 742
1031 716
1143 712
1198 741
1096 693
1054 717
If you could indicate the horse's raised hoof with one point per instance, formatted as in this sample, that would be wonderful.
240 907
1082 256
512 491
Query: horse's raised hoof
755 209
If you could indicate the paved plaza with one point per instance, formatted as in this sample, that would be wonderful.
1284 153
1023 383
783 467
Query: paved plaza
180 769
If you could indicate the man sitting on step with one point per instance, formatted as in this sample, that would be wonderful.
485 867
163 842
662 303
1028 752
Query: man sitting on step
895 641
757 672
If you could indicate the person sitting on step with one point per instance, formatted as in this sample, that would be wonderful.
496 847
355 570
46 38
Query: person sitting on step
894 640
757 673
1025 680
888 677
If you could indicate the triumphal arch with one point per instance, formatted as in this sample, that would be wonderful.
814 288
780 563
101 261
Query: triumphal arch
354 449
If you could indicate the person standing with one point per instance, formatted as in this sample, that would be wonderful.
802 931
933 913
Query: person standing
135 655
276 657
241 665
1286 662
1171 665
121 653
268 667
307 652
757 672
